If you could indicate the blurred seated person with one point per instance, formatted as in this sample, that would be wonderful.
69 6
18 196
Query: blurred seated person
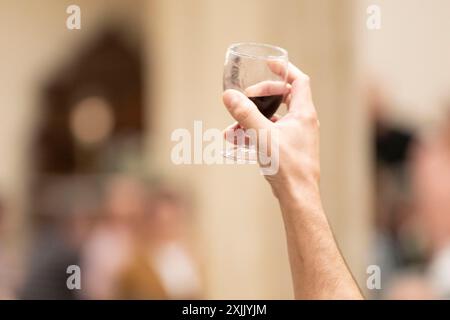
138 248
115 246
64 211
168 245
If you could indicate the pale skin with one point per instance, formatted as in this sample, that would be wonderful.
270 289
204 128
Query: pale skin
318 268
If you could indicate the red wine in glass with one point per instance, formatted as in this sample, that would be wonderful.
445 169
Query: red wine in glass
268 105
260 72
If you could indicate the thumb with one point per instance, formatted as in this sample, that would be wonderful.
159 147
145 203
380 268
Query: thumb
244 111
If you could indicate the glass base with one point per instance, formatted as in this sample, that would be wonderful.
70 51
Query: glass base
241 155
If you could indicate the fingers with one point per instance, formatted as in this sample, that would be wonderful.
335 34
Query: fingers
295 73
275 118
279 68
301 100
270 88
287 99
244 111
233 131
235 134
267 88
298 98
229 132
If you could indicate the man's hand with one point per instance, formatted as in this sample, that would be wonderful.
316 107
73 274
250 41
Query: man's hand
317 266
298 130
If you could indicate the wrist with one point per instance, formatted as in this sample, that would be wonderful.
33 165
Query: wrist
290 188
298 196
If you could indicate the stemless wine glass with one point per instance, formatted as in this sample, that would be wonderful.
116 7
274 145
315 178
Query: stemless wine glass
260 72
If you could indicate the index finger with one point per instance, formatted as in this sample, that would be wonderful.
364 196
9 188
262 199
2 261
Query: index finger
301 99
293 73
267 88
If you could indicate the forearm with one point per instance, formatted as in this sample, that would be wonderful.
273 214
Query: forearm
318 269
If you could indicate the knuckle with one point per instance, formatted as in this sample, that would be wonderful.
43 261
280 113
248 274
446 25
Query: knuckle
312 120
309 118
312 116
303 79
306 78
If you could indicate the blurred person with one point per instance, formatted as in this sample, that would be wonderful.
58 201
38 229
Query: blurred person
431 183
392 144
430 171
168 245
114 264
318 268
67 209
394 248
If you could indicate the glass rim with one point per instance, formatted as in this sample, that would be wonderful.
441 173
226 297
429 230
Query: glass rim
282 52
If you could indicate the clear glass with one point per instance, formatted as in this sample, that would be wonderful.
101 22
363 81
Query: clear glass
258 70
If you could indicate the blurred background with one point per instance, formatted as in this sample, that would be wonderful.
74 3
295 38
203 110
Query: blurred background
85 172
